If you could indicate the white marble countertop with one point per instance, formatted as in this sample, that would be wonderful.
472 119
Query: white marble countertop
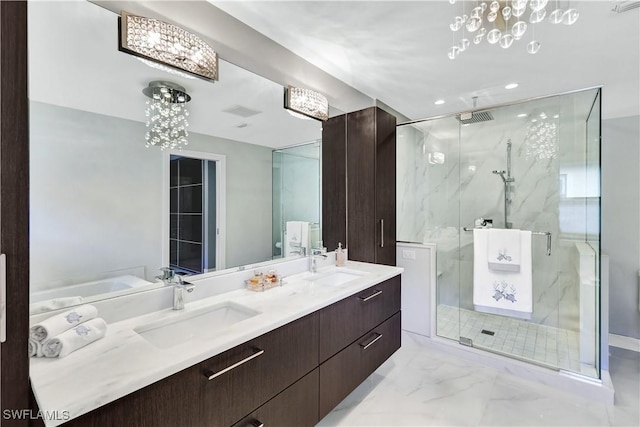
123 361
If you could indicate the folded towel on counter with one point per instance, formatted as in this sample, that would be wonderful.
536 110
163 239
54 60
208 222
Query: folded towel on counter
59 323
53 304
35 348
75 338
503 249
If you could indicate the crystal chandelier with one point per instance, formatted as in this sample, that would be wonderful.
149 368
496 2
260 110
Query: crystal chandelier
166 115
504 22
167 44
306 102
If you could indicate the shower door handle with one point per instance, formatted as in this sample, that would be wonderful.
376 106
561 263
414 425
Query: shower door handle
382 233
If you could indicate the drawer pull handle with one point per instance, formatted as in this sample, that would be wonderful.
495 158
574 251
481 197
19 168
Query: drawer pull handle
373 295
370 343
257 423
211 375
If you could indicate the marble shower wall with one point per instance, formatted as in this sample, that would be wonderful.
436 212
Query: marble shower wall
445 181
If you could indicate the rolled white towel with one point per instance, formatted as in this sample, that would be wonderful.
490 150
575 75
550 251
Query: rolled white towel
35 348
59 323
75 338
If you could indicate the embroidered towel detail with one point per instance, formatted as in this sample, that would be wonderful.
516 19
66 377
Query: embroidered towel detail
75 338
59 323
508 293
503 249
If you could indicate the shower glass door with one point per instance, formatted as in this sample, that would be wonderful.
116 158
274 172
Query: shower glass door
531 166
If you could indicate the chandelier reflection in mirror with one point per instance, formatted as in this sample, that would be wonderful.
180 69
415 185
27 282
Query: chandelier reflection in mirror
167 44
166 115
306 102
541 139
505 22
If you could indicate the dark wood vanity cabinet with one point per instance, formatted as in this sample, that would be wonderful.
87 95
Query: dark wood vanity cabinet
291 376
297 406
242 379
262 368
345 371
173 401
357 335
347 320
359 185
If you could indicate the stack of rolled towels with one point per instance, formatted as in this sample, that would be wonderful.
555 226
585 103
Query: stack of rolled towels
66 332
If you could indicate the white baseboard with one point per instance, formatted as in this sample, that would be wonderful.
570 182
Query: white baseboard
627 343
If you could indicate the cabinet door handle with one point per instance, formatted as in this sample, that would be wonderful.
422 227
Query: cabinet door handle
256 423
373 295
382 233
370 343
211 375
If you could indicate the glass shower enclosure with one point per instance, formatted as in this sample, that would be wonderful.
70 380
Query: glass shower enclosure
532 166
296 193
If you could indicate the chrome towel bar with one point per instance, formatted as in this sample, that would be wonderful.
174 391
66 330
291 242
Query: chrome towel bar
535 233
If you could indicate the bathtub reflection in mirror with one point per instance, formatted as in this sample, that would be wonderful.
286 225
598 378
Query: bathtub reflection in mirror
102 205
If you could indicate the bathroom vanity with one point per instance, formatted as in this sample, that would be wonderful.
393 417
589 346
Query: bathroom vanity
286 356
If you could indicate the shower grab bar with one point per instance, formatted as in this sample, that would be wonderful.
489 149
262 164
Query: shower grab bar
536 233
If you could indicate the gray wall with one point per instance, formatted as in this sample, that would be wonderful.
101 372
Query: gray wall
96 197
621 220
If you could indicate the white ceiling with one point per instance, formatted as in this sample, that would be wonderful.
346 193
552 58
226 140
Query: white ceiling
396 52
74 62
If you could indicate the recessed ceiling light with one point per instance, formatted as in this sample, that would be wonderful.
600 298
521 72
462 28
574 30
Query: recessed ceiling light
522 115
439 102
511 86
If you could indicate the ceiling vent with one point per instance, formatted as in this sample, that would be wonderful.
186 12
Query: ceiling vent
624 6
477 117
241 111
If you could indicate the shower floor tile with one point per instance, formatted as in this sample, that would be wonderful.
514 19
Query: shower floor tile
545 345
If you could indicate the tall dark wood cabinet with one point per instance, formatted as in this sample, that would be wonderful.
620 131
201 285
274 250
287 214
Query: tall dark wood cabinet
14 208
359 185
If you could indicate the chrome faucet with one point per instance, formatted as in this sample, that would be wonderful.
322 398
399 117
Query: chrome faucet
178 292
170 278
315 254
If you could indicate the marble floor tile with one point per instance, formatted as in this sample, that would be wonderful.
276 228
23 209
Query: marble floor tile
423 386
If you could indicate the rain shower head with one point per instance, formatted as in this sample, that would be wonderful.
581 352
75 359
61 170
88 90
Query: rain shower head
476 117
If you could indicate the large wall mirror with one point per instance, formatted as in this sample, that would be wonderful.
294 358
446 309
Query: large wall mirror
107 212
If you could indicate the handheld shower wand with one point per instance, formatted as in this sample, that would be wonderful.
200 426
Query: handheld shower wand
507 181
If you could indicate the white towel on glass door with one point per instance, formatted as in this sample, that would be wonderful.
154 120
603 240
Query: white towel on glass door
503 249
508 293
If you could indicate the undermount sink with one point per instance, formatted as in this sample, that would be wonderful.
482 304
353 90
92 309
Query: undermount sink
336 278
203 323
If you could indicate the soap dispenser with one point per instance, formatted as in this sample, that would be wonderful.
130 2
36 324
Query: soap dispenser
341 256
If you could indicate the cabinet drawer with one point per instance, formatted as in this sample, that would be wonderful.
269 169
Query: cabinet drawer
345 371
297 406
343 322
239 380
